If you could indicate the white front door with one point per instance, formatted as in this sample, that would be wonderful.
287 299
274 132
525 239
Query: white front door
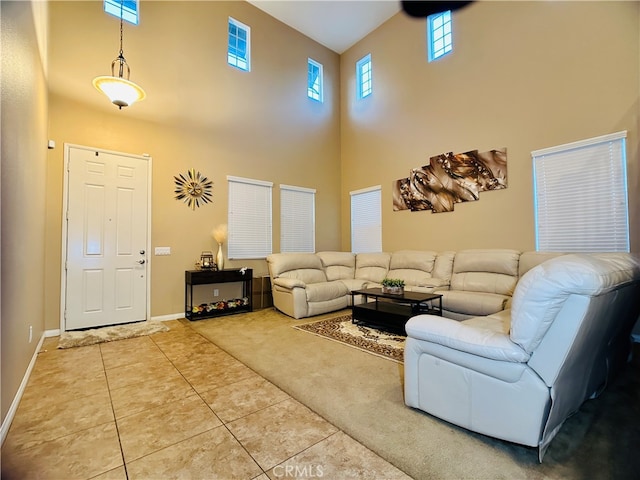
106 258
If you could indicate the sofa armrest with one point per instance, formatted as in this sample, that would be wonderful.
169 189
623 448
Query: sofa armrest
289 283
465 338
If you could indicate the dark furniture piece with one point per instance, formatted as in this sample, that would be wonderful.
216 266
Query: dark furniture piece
262 297
224 307
391 311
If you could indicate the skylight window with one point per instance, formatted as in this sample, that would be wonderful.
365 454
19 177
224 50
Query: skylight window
129 9
239 46
363 76
314 80
439 35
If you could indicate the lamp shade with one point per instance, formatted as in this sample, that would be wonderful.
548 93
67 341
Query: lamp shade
121 92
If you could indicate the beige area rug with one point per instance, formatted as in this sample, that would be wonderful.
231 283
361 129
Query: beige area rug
82 338
342 329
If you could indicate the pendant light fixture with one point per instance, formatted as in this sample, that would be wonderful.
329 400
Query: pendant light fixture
119 89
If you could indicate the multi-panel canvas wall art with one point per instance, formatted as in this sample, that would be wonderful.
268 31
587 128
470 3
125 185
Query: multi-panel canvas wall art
451 179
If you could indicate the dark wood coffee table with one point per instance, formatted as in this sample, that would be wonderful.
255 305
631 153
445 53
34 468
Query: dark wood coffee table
391 311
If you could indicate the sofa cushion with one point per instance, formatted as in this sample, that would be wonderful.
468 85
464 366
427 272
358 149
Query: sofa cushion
473 303
280 263
306 267
307 275
489 271
321 292
414 267
355 283
499 322
443 266
528 260
372 267
338 265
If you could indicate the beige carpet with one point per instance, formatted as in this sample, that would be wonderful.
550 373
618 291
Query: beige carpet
80 338
371 340
362 395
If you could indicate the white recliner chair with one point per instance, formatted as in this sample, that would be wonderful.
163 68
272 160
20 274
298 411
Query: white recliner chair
518 374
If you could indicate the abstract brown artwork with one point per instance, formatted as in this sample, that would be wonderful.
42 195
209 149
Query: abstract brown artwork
451 179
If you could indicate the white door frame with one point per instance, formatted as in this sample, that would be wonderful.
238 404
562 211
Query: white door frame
65 197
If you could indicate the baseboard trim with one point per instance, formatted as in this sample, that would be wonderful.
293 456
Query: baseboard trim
8 419
52 333
164 318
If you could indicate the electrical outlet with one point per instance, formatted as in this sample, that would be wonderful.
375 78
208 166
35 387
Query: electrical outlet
30 333
216 292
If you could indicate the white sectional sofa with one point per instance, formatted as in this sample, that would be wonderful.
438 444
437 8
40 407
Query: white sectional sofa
525 338
307 284
472 282
519 373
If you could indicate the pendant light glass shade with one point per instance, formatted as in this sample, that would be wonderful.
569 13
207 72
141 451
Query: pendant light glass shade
120 90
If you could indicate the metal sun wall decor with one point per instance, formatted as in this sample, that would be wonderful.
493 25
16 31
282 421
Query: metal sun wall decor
193 188
451 179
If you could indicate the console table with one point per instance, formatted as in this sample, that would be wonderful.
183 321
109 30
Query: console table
217 308
391 311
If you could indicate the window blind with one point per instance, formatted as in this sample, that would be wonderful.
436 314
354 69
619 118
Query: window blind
249 219
297 219
580 194
366 220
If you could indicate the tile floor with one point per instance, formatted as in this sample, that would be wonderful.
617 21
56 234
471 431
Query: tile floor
170 405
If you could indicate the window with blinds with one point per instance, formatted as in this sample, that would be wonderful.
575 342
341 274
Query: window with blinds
366 220
297 219
249 221
580 195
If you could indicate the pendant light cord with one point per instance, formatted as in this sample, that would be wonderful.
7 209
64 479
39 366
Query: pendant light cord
121 59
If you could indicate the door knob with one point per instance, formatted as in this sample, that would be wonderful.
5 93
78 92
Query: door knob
141 262
141 252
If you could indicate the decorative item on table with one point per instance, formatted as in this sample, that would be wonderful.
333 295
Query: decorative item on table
219 234
205 308
393 286
206 261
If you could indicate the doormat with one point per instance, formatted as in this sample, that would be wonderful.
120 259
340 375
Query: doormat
370 340
82 338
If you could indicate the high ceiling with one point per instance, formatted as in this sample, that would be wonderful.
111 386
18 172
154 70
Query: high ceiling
336 24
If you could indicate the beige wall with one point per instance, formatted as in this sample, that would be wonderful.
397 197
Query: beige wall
24 145
200 113
523 75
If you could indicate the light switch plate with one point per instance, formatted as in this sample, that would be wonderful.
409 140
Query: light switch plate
163 251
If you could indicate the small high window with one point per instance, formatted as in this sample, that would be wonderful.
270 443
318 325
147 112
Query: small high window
239 45
314 80
129 9
363 76
439 35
